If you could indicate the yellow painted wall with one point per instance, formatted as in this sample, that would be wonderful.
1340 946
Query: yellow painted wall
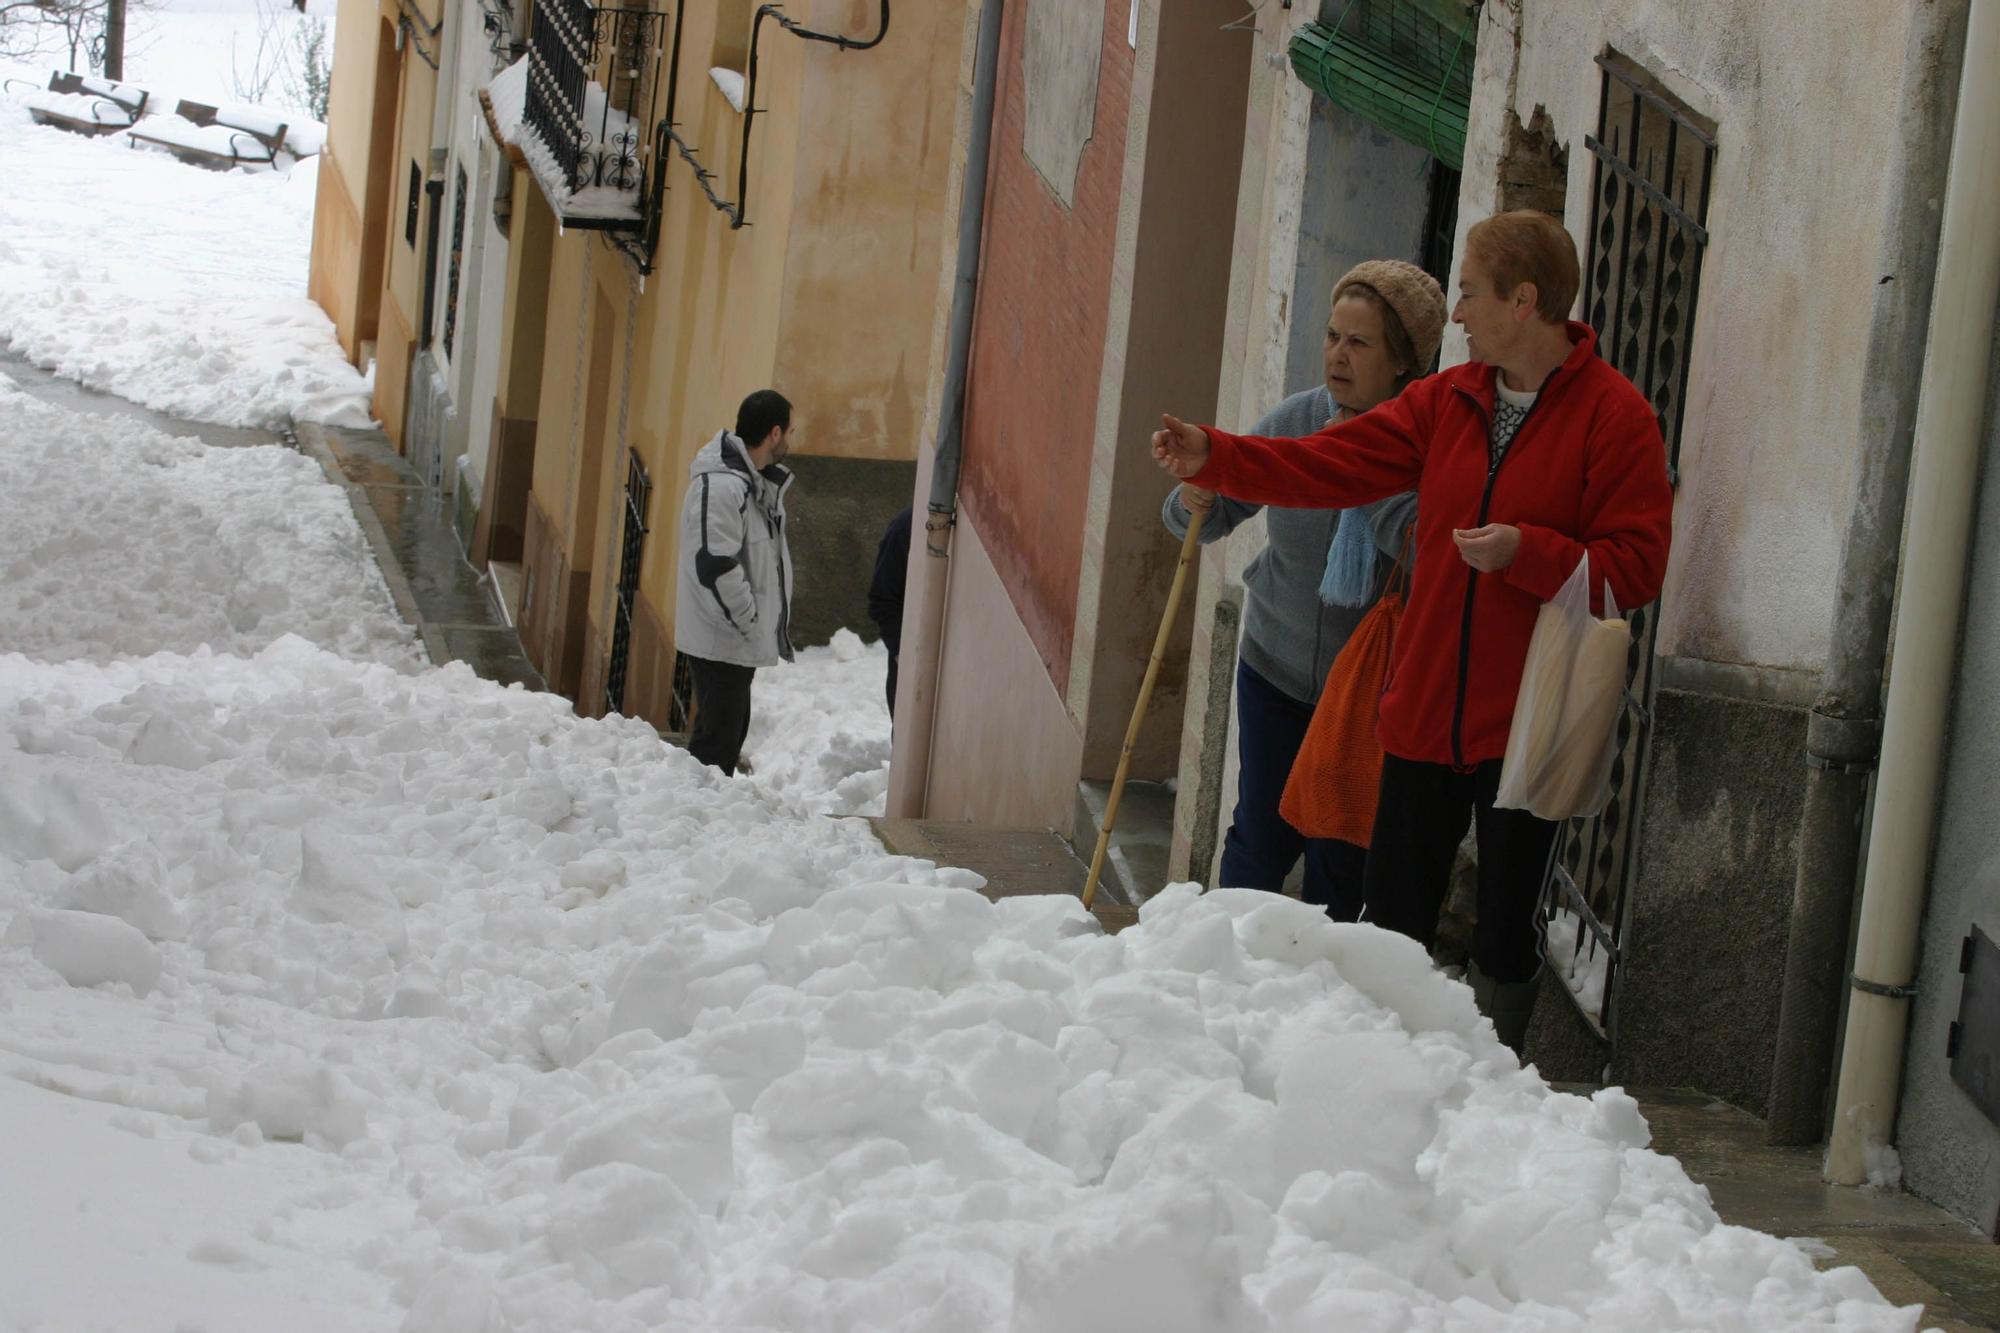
828 295
335 272
402 295
351 94
560 419
868 231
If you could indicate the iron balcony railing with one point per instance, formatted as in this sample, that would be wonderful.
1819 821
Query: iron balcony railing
595 84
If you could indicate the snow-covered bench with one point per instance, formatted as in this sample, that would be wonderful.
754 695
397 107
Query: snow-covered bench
83 105
217 137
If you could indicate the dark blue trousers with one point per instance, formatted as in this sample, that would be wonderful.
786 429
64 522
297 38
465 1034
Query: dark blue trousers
1261 848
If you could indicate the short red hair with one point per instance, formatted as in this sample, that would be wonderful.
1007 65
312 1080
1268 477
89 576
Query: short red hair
1527 246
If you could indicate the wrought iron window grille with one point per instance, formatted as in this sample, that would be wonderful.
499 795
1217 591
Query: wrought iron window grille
631 553
738 211
594 92
1642 275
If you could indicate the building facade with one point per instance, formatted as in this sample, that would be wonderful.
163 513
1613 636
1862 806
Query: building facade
600 248
1741 191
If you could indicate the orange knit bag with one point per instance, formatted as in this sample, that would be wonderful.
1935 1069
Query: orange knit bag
1332 789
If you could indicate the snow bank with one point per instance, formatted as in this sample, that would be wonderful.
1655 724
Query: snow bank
819 728
181 289
530 1022
119 539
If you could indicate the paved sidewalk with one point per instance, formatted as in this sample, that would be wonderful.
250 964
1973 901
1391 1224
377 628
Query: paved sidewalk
436 589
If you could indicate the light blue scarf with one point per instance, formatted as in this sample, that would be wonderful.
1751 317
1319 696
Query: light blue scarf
1350 561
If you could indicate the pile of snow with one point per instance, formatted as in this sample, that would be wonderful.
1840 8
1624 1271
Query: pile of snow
507 99
181 289
819 728
1583 965
118 539
439 1007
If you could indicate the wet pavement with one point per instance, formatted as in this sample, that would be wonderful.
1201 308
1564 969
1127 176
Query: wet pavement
435 587
1913 1251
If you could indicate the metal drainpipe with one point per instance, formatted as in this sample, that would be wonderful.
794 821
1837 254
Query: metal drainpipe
434 191
923 622
1843 732
1944 476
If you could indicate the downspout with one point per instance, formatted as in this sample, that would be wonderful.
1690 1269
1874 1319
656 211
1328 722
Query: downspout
1944 475
923 621
1843 732
434 192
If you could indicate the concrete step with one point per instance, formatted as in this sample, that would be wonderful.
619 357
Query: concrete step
1135 865
1014 861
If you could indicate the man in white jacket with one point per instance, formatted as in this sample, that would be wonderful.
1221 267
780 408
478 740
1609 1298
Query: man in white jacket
733 610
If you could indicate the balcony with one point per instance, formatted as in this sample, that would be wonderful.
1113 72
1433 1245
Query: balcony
591 120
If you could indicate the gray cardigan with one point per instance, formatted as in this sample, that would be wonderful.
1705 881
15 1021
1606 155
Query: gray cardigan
1290 637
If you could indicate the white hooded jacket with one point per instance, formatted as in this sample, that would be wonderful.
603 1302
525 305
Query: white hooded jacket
735 594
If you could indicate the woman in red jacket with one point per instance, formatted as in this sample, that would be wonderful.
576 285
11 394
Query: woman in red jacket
1524 459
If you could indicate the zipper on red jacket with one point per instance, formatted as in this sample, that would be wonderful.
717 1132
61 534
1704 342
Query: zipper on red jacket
1471 574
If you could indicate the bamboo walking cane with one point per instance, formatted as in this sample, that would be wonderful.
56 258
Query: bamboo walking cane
1139 708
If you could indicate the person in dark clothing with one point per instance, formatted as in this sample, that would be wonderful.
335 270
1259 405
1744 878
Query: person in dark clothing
885 591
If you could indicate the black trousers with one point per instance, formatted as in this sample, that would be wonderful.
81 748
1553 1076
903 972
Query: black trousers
1418 826
721 712
1260 848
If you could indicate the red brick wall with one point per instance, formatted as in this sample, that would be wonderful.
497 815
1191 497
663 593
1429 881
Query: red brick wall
1038 347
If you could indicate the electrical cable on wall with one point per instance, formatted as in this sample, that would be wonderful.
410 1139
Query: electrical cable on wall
410 20
738 212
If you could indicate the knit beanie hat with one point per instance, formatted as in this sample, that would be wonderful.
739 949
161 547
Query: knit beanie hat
1415 297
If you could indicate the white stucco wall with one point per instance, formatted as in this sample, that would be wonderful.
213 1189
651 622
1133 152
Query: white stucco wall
1804 127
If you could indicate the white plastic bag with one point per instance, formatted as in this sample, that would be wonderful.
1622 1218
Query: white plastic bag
1561 746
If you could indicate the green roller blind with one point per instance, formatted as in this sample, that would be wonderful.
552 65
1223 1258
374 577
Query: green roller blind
1404 66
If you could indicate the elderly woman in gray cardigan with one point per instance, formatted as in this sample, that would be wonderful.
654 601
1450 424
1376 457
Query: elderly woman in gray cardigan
1315 579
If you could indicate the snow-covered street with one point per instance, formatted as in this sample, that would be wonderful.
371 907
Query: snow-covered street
340 992
181 289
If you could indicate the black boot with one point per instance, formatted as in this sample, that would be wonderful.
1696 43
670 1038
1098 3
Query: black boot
1510 1004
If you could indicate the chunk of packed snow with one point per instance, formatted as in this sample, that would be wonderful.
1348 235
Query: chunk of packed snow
819 728
86 949
507 98
729 82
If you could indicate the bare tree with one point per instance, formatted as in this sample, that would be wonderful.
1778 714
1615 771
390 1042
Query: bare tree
292 61
73 29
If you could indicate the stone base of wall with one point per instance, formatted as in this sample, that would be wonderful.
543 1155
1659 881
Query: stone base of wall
649 667
1710 912
838 508
554 600
590 696
510 471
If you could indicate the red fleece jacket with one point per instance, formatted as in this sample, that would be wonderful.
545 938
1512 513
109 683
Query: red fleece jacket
1586 472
